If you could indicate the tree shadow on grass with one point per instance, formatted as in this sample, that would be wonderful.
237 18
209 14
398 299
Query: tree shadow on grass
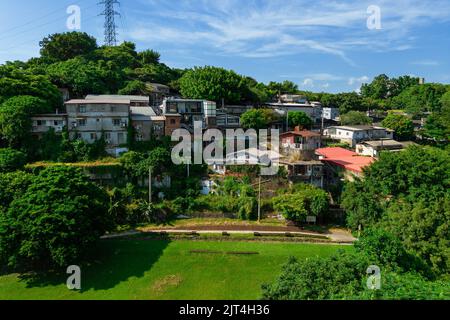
111 262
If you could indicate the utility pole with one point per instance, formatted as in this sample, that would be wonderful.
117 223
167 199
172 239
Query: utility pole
259 200
110 24
287 119
150 171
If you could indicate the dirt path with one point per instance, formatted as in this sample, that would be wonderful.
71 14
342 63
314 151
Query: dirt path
335 235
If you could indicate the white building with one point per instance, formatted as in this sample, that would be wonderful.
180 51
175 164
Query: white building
248 157
331 114
374 148
356 134
44 122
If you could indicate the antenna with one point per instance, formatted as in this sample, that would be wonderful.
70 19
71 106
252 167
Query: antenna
110 24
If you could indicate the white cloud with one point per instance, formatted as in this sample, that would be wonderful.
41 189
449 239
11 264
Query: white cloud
272 28
308 83
426 63
352 81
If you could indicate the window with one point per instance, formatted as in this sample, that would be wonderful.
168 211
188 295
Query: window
82 109
172 107
173 121
108 136
117 122
41 122
93 136
82 122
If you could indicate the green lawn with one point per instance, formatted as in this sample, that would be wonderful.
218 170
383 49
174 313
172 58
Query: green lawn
135 269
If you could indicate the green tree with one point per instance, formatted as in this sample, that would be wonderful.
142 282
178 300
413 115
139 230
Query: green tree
12 186
317 278
213 84
421 98
402 125
134 87
149 57
65 46
15 118
301 119
54 221
379 88
258 119
285 87
302 201
437 125
16 81
82 76
11 160
424 228
355 118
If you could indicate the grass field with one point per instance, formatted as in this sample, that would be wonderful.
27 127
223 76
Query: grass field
133 269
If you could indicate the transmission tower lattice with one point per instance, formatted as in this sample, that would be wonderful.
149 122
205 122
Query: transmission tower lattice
110 24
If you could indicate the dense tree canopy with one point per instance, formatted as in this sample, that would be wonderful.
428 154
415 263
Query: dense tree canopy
300 119
437 125
11 160
12 186
407 192
65 46
355 118
213 84
15 81
59 216
258 119
383 87
302 201
420 98
402 125
15 118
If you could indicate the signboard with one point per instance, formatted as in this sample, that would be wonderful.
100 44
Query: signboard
311 219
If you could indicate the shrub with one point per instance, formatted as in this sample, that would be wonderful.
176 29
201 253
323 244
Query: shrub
302 201
319 278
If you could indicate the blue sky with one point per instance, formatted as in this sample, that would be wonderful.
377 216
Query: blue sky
321 45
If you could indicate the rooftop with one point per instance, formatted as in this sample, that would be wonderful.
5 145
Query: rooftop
384 144
304 133
142 113
99 101
117 97
359 128
344 158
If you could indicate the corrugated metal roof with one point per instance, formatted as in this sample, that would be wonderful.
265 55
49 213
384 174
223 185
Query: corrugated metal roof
103 101
345 158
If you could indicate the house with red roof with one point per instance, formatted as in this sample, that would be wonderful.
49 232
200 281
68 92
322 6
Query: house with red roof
342 163
301 142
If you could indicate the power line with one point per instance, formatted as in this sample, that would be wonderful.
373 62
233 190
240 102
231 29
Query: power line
28 41
41 17
110 24
13 35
